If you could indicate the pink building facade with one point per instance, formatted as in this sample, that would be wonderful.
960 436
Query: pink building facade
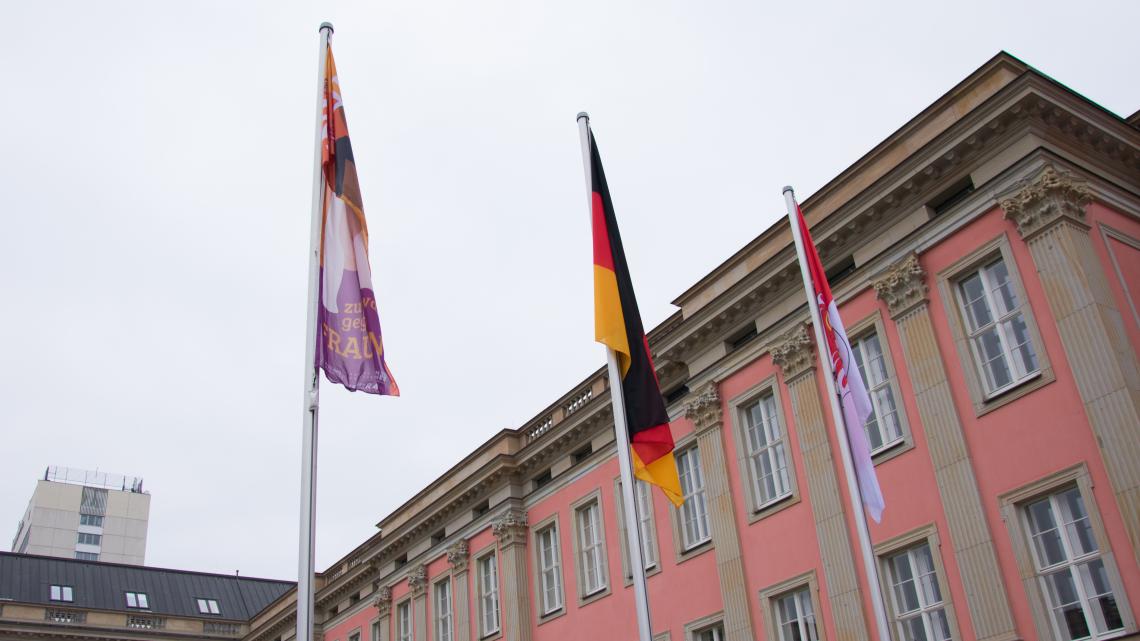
986 259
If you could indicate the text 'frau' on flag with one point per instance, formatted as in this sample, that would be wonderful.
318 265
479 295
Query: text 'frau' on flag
350 347
617 324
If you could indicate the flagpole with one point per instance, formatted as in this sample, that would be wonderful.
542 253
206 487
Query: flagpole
311 398
621 437
840 430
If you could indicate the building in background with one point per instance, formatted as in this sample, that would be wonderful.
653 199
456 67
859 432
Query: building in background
65 599
985 259
91 516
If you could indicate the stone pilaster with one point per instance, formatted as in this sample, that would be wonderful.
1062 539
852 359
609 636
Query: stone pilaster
458 556
708 421
383 605
511 531
417 584
794 355
1049 211
903 288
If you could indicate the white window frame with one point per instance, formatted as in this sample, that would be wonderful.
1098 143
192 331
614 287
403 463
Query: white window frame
487 576
548 560
805 617
443 609
98 538
647 529
207 605
926 608
404 629
62 593
591 546
695 508
774 450
1014 513
138 600
707 628
804 588
889 385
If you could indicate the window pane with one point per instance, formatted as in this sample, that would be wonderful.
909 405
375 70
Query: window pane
1102 603
939 626
977 310
993 359
913 629
1077 527
132 602
1003 294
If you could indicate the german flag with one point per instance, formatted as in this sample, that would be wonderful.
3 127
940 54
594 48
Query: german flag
617 325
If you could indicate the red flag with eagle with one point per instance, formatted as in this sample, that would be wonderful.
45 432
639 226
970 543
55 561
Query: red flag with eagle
617 325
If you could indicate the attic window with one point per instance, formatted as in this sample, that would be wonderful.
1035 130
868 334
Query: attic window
402 560
953 195
62 593
208 606
481 509
137 600
438 537
742 338
542 479
676 394
582 453
841 270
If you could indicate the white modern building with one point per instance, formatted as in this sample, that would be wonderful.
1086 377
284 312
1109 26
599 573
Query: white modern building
92 516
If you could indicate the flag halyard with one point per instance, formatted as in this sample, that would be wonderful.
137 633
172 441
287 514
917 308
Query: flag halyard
617 324
350 346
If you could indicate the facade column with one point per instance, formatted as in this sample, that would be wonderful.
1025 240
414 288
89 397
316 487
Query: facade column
511 531
708 420
1049 211
383 605
904 290
417 583
458 556
794 355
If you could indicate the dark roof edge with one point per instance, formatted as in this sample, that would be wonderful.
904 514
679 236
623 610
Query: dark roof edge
149 568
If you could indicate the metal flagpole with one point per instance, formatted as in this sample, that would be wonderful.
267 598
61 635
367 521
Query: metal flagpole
312 379
621 435
840 430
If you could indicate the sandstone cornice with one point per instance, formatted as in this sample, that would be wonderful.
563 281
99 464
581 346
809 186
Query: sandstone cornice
903 286
1045 199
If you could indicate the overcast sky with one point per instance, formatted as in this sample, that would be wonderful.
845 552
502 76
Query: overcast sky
155 164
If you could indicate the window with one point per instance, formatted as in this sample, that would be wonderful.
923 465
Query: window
208 606
591 559
916 596
795 616
355 636
996 329
86 538
1077 585
646 530
91 519
443 610
550 570
694 512
137 600
375 631
767 458
582 454
62 593
884 425
404 621
438 537
87 556
542 479
488 595
714 633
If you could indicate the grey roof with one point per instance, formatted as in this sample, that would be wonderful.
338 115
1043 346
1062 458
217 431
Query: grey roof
28 578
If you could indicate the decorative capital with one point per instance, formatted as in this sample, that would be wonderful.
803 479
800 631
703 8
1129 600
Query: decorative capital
511 528
1048 197
903 286
417 580
792 353
383 600
704 411
458 556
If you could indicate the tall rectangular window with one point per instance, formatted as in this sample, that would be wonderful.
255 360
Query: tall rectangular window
590 549
694 511
443 610
767 458
883 426
404 621
996 329
1078 588
488 595
645 529
795 616
916 596
549 567
375 631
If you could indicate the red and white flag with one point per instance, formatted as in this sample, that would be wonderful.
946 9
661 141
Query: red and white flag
855 401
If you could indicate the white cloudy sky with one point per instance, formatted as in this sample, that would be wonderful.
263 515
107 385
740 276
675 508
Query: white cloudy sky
155 162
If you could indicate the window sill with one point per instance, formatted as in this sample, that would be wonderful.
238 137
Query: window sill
779 505
1011 394
695 551
491 636
898 448
587 599
552 615
651 571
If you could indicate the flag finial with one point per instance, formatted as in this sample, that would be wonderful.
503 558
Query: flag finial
787 188
326 25
582 114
